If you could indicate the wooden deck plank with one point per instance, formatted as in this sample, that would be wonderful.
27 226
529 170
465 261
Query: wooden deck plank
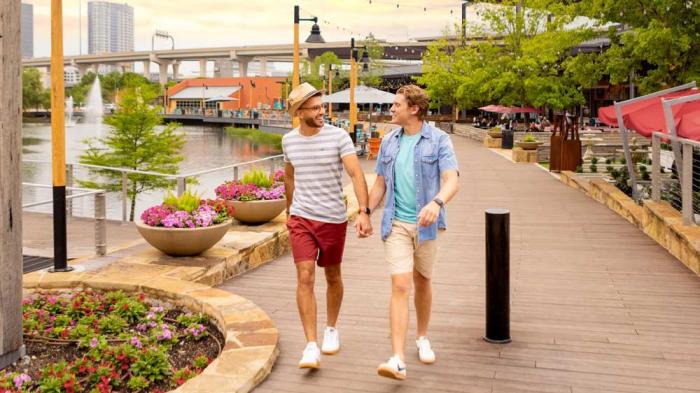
596 305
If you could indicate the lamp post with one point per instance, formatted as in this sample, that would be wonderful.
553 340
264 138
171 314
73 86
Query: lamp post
354 58
58 141
314 37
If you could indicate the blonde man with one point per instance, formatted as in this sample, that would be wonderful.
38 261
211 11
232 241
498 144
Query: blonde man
417 175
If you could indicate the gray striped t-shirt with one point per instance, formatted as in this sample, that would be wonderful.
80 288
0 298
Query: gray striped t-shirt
318 189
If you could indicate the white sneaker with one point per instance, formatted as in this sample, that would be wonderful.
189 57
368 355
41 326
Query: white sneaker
425 353
394 368
311 357
331 341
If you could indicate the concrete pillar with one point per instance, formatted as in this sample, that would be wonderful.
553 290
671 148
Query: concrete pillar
263 67
176 69
203 68
83 69
242 68
147 69
163 72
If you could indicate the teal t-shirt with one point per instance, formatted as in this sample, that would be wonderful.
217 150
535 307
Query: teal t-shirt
405 180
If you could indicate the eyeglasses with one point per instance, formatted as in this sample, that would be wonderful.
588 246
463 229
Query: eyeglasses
314 108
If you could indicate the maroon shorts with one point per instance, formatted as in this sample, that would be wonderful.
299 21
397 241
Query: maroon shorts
318 241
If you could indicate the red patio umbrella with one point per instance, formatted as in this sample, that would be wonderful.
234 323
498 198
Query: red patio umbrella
518 109
651 118
608 116
689 124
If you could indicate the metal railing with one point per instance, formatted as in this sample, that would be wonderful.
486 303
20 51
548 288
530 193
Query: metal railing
678 187
180 179
100 211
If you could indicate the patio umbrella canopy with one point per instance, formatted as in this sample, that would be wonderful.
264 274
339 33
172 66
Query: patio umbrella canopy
363 95
508 109
647 116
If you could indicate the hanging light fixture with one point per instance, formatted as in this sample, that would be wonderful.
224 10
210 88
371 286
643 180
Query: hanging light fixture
315 36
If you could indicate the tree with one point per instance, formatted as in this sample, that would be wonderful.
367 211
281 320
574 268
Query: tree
440 75
660 42
135 143
111 83
34 95
316 71
522 63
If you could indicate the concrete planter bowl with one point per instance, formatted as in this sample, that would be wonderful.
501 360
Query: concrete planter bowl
258 212
179 242
495 133
528 145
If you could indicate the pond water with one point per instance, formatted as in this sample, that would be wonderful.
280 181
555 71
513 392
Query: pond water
206 147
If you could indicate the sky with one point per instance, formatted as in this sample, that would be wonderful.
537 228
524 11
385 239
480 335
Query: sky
215 23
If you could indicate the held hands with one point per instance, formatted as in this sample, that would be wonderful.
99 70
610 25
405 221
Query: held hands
363 227
428 214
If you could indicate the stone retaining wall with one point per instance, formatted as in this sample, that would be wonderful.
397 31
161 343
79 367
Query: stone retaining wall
658 220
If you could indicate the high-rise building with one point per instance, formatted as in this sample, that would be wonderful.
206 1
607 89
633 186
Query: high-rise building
27 30
110 27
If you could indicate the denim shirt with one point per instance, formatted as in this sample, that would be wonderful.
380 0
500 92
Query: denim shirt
433 155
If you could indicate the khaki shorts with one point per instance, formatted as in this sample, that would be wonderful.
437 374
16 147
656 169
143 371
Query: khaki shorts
403 253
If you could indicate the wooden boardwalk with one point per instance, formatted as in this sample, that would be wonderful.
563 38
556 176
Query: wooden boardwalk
596 305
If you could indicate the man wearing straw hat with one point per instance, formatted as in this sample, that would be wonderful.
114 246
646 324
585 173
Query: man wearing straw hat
315 154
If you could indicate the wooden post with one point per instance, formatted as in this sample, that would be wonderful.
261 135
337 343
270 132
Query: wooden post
353 85
58 141
11 347
295 56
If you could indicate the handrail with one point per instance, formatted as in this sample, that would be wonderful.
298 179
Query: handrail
169 175
100 215
181 179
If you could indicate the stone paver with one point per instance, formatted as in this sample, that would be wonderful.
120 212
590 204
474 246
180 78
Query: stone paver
597 306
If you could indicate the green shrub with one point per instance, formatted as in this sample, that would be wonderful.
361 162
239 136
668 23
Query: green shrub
187 201
258 177
623 161
579 169
529 138
609 168
256 136
594 168
594 160
609 161
643 168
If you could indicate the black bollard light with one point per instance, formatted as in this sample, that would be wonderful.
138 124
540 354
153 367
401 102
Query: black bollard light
497 276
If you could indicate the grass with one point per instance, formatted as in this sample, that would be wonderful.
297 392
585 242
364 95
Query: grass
545 165
256 136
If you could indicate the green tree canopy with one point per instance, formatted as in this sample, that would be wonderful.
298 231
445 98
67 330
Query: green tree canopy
660 41
135 142
34 95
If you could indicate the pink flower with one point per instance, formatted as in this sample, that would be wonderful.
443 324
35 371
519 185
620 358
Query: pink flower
136 342
93 342
20 380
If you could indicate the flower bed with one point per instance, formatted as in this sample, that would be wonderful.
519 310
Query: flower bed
109 342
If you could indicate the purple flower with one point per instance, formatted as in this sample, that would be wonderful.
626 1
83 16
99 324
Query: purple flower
157 309
141 327
20 380
135 342
93 342
151 315
165 334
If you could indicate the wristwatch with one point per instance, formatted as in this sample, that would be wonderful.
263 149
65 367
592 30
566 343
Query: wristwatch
366 210
439 202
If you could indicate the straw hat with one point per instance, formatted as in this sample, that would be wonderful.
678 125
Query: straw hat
299 95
